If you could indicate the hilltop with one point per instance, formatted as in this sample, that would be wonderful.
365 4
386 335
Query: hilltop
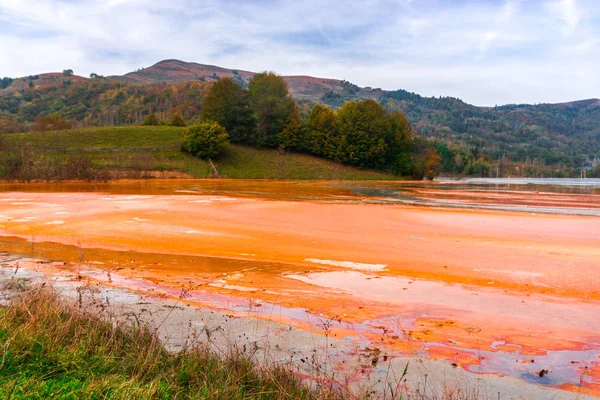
176 71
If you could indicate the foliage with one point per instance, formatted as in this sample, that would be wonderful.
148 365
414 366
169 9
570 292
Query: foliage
363 128
9 124
321 136
534 140
5 82
67 72
100 101
229 104
52 122
57 350
27 162
205 140
177 120
147 152
151 120
526 139
293 133
272 105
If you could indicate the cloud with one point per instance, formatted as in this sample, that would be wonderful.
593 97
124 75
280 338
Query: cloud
568 12
487 53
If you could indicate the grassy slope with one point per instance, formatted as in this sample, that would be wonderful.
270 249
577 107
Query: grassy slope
157 149
51 350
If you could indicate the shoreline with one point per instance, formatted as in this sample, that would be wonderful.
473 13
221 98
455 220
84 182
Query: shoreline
482 290
270 343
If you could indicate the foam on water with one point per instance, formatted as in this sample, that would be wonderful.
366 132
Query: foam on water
348 264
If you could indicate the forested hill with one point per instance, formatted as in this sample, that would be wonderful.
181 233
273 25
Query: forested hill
546 136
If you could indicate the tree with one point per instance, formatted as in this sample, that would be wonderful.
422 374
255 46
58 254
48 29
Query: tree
399 157
293 133
272 104
151 120
363 127
5 82
205 140
67 72
177 120
229 104
321 136
426 159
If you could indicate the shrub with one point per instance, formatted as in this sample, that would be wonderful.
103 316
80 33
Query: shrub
177 120
151 120
205 140
52 122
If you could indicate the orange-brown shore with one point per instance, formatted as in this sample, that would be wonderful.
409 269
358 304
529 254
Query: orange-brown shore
487 290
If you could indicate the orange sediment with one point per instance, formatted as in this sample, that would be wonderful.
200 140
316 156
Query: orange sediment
493 289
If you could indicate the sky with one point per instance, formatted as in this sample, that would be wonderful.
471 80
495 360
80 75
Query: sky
486 52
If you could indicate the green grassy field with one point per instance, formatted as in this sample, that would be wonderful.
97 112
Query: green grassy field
56 350
143 149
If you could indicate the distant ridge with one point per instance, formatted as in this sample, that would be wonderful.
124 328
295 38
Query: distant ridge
537 135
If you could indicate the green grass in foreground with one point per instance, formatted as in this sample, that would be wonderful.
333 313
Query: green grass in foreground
143 148
51 350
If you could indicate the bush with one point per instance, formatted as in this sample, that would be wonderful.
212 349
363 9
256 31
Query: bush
177 120
205 140
52 122
151 120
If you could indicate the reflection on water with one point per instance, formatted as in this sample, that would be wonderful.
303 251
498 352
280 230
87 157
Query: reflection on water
556 196
558 183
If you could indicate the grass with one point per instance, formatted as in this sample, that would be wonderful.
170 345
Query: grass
142 149
53 350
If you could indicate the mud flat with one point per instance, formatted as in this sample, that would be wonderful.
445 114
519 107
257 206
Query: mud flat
492 295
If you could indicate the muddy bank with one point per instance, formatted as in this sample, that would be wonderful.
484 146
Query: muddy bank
319 355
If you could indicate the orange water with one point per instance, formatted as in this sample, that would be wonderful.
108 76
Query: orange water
489 290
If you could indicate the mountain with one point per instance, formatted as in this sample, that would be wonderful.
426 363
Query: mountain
176 71
542 136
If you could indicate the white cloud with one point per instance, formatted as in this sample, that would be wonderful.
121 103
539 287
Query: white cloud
485 53
568 12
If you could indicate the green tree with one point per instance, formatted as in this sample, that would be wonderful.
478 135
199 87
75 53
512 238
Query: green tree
363 127
177 120
321 136
400 139
5 82
205 140
292 136
229 104
272 104
67 72
151 120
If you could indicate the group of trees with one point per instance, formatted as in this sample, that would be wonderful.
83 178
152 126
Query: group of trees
530 140
360 133
153 120
99 102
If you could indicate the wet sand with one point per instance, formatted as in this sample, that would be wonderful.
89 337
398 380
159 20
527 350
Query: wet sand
492 292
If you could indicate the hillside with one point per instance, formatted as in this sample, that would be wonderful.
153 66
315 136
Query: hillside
154 152
543 135
175 71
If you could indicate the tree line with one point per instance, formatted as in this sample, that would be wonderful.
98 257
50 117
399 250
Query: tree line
361 133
